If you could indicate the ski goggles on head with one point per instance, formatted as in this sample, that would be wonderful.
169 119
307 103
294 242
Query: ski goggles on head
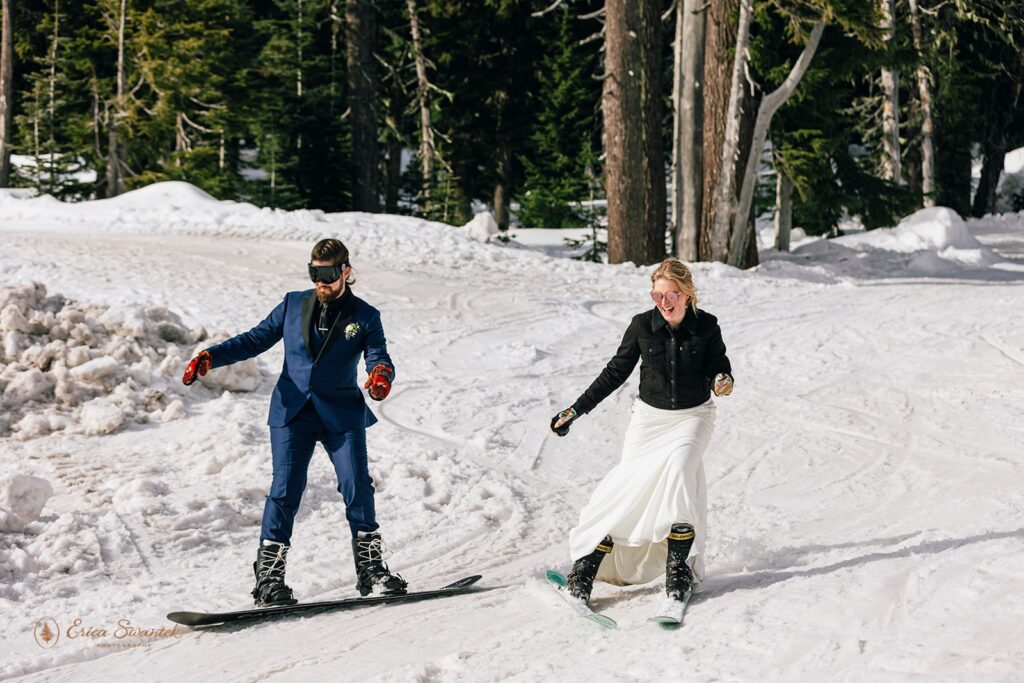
670 297
326 274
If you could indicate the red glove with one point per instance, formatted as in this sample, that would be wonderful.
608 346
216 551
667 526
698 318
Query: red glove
379 382
198 366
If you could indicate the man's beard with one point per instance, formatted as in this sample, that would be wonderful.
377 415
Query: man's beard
327 296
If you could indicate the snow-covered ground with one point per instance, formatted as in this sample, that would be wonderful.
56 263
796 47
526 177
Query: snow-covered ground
865 480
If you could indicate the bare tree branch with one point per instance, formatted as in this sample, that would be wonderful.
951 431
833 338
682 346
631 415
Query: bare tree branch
550 8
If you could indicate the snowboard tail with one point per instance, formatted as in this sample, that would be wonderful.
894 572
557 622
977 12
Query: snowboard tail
558 581
670 615
209 618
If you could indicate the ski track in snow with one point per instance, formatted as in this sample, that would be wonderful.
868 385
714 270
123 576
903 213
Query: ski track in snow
864 480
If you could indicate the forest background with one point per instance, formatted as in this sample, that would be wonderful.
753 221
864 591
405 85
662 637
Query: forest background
637 115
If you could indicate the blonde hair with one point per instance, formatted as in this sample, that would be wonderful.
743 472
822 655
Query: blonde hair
676 271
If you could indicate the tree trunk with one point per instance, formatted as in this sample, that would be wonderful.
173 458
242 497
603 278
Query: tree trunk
298 49
927 126
991 168
115 148
783 208
912 169
360 27
1000 107
393 179
631 104
336 22
890 104
689 166
51 109
718 61
422 87
676 171
6 88
725 198
503 190
742 231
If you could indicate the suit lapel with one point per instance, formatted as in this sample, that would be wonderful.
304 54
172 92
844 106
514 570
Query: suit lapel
307 320
348 309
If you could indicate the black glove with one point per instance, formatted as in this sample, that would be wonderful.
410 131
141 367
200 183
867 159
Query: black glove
560 423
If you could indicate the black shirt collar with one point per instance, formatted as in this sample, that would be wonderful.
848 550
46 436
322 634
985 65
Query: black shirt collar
337 304
689 320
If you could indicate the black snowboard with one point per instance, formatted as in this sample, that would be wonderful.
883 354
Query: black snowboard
207 619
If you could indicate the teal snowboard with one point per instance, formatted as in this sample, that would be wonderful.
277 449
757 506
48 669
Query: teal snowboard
558 582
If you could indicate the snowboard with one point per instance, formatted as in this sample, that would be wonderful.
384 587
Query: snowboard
210 618
670 614
558 582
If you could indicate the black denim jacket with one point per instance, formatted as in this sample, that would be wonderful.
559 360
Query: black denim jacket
678 368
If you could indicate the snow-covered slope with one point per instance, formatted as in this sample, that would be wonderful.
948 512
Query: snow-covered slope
865 480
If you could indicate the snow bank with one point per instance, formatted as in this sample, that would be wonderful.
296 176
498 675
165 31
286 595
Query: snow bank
22 498
393 242
933 234
173 195
936 229
933 242
93 369
482 227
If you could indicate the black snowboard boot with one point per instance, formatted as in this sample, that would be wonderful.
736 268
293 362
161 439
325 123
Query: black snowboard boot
270 589
581 578
678 575
372 574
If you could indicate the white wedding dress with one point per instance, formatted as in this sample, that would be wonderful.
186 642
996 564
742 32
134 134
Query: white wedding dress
658 482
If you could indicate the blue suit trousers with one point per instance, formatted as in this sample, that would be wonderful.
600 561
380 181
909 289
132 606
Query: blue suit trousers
292 447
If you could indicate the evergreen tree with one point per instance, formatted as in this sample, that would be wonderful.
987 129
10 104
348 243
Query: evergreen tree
189 55
818 139
45 103
561 153
300 140
485 126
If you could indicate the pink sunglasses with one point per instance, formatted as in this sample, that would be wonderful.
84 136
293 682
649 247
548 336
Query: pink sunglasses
670 297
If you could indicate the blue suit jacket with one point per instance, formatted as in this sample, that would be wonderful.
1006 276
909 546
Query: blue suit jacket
328 380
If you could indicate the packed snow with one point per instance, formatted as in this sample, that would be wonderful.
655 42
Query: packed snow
92 369
864 482
22 498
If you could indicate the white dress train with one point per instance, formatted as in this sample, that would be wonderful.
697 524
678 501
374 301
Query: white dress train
658 482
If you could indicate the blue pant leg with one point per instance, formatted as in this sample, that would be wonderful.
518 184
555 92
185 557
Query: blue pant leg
348 454
292 447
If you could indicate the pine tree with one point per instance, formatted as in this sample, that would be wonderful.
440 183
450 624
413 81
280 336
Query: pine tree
484 127
56 170
301 143
189 56
6 87
562 151
818 138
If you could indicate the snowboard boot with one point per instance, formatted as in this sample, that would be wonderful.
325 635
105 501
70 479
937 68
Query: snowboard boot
270 590
372 574
581 578
679 577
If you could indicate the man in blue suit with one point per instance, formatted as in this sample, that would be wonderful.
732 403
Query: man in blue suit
325 331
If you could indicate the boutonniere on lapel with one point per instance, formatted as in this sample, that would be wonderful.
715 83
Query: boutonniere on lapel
351 330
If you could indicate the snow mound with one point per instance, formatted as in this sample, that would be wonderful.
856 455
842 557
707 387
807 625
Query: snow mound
933 242
67 366
168 195
245 376
22 498
16 193
1014 161
482 227
934 229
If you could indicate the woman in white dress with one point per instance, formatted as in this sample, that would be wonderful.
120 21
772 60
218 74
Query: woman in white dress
648 515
